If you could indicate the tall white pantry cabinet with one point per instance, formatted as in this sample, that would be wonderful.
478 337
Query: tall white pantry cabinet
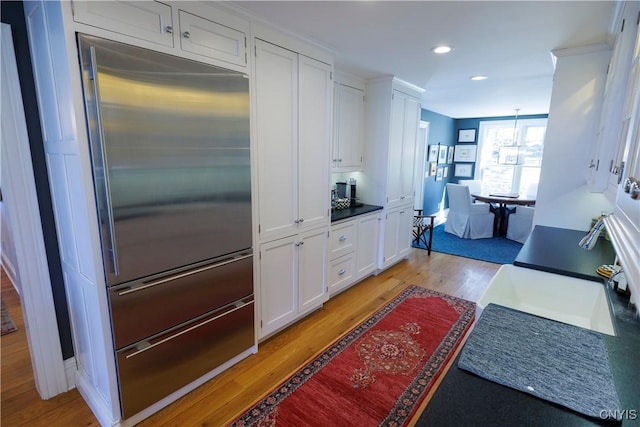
294 96
392 120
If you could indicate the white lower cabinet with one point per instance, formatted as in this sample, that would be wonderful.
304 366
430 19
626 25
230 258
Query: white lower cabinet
397 234
368 241
353 251
292 278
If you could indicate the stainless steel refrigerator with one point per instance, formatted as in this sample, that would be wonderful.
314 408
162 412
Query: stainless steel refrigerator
169 143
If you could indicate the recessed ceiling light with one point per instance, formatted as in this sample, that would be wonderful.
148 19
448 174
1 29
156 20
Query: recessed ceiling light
479 77
442 49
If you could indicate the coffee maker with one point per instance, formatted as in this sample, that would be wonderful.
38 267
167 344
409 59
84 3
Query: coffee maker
352 194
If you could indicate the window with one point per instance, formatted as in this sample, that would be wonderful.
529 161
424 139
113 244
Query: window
511 163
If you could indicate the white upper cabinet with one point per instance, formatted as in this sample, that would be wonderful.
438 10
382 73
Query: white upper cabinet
188 27
348 136
405 111
293 120
147 20
606 164
208 38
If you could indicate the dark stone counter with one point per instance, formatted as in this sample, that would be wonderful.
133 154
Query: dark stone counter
464 399
556 250
339 215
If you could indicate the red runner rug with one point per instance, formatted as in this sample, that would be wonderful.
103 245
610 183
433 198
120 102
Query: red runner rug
376 374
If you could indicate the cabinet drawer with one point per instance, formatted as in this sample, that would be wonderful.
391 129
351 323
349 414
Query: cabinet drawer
342 239
142 308
146 20
341 272
210 39
155 368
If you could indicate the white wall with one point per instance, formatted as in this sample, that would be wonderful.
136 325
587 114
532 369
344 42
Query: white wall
7 248
563 198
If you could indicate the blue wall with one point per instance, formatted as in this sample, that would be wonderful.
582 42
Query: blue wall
444 130
441 130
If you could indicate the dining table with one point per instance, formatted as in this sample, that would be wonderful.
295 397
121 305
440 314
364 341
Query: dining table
503 204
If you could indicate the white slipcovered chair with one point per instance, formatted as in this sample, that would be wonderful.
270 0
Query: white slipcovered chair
465 219
520 224
475 187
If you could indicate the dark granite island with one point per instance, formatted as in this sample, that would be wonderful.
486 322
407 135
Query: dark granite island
464 399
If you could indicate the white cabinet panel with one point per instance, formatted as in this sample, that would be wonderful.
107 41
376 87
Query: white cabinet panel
278 284
368 240
394 177
409 141
405 230
349 128
146 20
277 133
293 95
312 261
391 229
314 145
292 278
208 38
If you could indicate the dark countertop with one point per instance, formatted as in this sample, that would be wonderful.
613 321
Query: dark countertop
556 250
339 215
464 399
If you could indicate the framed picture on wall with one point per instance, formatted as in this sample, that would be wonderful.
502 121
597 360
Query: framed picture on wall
439 174
445 171
466 135
463 170
465 153
433 153
442 154
433 168
450 154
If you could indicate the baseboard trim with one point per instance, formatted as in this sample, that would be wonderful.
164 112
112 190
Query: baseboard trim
70 368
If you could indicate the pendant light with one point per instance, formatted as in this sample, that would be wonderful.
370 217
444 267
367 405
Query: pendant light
515 127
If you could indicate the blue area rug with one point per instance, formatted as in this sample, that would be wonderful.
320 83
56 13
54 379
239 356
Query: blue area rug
498 250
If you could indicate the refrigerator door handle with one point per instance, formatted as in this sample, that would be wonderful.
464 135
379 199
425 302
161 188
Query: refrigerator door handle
105 164
146 285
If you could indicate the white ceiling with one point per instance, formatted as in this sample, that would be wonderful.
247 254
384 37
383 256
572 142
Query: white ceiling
509 41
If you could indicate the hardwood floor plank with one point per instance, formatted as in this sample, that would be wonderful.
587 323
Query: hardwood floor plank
226 396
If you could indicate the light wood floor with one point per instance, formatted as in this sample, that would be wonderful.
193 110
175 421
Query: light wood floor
224 397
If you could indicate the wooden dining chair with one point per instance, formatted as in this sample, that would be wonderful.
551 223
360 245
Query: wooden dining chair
421 225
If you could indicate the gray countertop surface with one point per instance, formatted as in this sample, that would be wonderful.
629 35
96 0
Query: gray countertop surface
463 399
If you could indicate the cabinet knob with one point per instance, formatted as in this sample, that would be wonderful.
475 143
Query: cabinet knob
168 29
301 220
186 34
298 243
342 238
342 271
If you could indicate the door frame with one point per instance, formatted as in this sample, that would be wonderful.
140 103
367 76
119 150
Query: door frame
19 191
422 151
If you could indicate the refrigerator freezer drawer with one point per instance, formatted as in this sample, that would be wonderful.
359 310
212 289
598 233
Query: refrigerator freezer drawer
153 369
144 308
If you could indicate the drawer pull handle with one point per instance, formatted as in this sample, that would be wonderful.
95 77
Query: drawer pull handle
147 285
169 29
146 345
343 238
186 34
342 271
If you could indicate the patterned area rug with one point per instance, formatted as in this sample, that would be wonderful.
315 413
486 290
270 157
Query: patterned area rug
376 374
7 322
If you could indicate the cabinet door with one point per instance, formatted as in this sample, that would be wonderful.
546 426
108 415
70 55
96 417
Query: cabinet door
213 40
349 129
341 273
314 145
367 247
391 228
278 284
277 136
405 230
146 20
394 176
409 140
312 261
